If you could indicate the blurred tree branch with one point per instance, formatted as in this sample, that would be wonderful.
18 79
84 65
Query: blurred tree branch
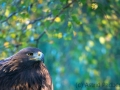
12 14
61 11
40 18
37 19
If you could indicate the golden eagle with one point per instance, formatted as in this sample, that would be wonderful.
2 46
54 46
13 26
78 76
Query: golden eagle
25 70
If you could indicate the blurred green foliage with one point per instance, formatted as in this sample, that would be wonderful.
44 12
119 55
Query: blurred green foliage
80 39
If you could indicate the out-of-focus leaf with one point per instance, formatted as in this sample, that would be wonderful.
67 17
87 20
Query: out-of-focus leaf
57 19
76 19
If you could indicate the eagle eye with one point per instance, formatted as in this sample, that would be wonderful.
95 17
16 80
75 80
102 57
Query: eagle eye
30 54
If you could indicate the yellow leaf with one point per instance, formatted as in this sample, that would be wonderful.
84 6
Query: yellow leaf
91 43
69 23
6 44
96 73
102 40
70 1
13 35
59 35
51 42
3 54
46 10
108 37
74 33
29 26
94 6
22 2
31 1
87 48
117 87
14 17
7 12
57 19
104 22
40 1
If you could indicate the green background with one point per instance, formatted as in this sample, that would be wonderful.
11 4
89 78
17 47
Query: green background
80 39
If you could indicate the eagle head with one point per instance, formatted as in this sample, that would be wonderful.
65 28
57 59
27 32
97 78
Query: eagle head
30 53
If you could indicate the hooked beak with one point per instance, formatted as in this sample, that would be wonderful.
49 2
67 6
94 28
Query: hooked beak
39 56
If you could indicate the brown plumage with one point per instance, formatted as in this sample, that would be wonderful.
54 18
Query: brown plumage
25 70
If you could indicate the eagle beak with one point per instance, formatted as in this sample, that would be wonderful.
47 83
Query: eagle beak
39 56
